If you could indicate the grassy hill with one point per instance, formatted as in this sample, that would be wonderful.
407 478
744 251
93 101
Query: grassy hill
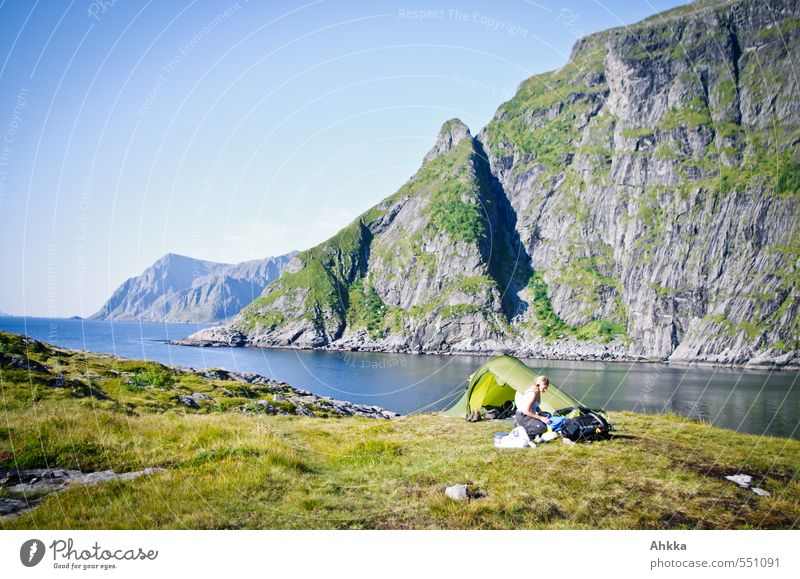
226 468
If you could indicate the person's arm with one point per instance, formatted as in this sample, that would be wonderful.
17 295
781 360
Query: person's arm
527 410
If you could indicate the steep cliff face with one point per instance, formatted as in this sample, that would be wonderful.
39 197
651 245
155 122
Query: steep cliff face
656 180
181 289
642 201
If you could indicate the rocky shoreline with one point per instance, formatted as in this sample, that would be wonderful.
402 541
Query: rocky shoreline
283 398
301 402
567 350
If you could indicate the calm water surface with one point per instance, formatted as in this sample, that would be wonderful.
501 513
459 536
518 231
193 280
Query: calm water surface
755 401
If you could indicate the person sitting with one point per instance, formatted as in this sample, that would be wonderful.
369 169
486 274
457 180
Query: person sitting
528 414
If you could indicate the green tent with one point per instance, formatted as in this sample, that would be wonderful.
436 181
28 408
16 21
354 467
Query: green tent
498 380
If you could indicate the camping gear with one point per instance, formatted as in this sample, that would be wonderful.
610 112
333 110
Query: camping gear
533 426
505 411
570 411
556 422
517 438
589 426
548 436
497 381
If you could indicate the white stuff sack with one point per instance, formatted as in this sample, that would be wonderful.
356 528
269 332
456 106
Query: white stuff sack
517 438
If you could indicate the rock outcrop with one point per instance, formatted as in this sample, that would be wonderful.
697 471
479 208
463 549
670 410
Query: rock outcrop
182 289
292 400
153 385
641 202
25 489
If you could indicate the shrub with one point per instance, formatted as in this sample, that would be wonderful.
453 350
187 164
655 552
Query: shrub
158 377
788 182
461 220
366 308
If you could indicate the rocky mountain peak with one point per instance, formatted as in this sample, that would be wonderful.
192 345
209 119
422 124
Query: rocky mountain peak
452 132
169 259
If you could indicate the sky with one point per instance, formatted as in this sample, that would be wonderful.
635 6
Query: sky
231 131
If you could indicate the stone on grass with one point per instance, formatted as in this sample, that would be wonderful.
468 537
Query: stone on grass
42 482
743 480
760 492
10 507
266 407
457 492
188 401
98 477
137 473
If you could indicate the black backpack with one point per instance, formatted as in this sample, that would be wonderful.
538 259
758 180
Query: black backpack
590 425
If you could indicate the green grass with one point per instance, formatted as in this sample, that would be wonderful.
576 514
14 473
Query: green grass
228 470
235 471
637 132
473 285
458 310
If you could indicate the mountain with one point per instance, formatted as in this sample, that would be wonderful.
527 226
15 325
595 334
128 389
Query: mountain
641 202
182 289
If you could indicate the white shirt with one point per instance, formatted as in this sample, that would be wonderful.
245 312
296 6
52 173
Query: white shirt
523 401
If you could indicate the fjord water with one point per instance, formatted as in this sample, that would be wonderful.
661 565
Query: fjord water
754 401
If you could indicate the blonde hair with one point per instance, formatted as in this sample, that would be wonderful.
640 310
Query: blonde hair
543 379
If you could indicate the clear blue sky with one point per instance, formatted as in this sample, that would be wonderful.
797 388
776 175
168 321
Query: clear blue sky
235 130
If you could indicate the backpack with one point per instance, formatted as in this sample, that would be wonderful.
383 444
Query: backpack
590 425
499 413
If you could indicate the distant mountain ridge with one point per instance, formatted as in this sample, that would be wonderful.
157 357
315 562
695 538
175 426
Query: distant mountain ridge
177 288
